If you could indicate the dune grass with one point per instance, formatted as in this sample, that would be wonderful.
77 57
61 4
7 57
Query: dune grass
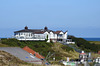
95 55
95 42
7 59
64 53
3 45
61 51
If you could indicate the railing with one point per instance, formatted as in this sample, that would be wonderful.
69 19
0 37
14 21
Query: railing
30 38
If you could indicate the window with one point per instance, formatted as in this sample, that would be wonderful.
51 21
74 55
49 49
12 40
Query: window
19 34
26 34
60 35
34 55
31 34
21 37
14 33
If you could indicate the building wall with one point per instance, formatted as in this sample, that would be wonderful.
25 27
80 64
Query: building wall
23 35
31 36
65 35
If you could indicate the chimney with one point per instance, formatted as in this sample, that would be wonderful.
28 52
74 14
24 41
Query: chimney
82 51
26 27
45 28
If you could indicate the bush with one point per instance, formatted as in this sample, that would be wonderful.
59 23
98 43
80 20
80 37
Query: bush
39 46
85 45
66 48
42 47
10 42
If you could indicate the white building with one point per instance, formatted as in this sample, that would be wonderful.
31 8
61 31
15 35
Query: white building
97 60
83 56
40 35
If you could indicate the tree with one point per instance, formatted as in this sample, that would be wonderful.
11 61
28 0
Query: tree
46 38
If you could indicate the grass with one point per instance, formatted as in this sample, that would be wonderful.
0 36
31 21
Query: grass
95 55
60 51
95 42
85 45
3 45
63 53
7 59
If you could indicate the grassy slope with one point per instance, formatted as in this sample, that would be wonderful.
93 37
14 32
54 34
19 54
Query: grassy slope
7 59
57 47
95 55
95 42
85 45
61 51
3 45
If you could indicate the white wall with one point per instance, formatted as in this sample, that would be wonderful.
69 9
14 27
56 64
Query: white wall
65 36
30 35
24 35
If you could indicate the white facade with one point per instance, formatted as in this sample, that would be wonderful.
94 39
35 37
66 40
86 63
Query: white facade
28 34
83 56
97 60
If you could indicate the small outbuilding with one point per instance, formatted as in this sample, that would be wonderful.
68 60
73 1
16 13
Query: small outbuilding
83 56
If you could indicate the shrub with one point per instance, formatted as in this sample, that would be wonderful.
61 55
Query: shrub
85 45
66 48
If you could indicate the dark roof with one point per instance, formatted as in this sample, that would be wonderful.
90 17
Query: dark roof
29 30
57 32
37 31
41 32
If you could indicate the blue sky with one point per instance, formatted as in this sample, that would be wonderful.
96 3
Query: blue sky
80 17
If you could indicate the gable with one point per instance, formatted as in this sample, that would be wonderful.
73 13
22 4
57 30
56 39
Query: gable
61 33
